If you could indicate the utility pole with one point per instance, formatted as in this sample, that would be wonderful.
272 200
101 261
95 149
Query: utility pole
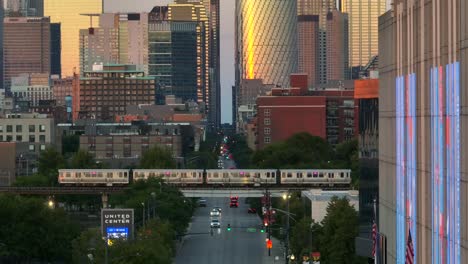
268 206
287 197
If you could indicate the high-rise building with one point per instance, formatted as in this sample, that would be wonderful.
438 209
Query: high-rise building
1 43
26 8
363 28
423 131
266 40
308 46
319 8
136 6
68 14
107 90
215 64
26 46
337 46
55 49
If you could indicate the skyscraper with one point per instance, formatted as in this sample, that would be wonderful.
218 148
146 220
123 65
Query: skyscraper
68 14
423 130
308 46
319 8
337 46
55 49
266 40
1 43
26 46
363 28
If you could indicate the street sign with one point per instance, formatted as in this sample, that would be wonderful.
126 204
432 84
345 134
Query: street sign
117 224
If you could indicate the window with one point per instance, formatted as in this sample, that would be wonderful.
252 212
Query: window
32 138
19 128
1 137
266 131
43 147
9 128
267 140
9 138
32 128
19 138
267 121
31 147
42 138
267 112
42 128
1 128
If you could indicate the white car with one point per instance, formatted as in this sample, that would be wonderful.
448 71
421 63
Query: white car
214 212
215 223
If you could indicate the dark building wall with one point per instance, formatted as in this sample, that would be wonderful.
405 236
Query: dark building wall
1 43
55 49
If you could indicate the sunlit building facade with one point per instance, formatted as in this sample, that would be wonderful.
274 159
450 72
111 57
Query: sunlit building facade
308 47
68 13
363 28
423 69
266 40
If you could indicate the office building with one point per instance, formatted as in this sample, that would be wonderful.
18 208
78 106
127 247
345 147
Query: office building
136 6
1 44
69 15
31 128
26 46
62 88
337 46
246 101
422 131
266 41
55 49
308 46
107 90
363 28
366 93
24 8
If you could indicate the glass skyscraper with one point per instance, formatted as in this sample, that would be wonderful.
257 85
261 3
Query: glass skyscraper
68 14
266 40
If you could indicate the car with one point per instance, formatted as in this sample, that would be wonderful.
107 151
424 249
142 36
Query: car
214 212
218 208
252 211
215 223
202 203
234 204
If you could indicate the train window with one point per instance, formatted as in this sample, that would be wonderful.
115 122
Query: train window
321 175
315 174
289 175
67 175
109 175
309 175
125 174
225 175
120 174
215 175
299 174
272 174
342 175
78 175
283 175
268 175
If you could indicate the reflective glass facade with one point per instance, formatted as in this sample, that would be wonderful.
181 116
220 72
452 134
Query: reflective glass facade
266 40
68 14
363 28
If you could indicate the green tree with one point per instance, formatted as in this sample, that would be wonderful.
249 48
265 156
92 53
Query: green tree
70 144
302 150
240 151
347 156
157 158
32 231
82 160
340 228
49 162
202 160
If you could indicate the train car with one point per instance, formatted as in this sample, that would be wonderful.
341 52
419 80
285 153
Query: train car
316 177
171 176
240 177
90 177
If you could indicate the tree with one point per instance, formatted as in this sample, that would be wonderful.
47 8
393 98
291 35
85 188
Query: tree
347 156
32 231
157 158
82 160
70 144
202 160
340 228
302 150
305 236
241 151
49 162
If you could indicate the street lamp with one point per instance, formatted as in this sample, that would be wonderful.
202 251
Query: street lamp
287 197
51 203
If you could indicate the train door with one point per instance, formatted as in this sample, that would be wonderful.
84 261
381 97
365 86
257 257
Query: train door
277 176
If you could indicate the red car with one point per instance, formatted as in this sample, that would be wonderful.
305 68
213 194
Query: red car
252 211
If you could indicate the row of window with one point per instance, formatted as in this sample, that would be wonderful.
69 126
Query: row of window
312 175
19 128
19 138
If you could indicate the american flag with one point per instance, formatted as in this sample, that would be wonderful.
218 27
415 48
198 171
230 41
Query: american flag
409 250
374 238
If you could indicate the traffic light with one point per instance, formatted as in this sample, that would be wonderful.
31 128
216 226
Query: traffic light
262 230
269 244
229 227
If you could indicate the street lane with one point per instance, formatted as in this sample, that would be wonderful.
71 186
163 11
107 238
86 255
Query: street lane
240 245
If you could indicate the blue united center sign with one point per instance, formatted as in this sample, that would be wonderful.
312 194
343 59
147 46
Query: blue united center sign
117 223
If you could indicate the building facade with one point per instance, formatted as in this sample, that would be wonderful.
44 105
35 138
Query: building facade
105 93
266 41
423 131
55 49
308 46
366 93
363 28
337 46
68 14
62 88
26 46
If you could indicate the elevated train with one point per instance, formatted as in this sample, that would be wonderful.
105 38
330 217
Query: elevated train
210 177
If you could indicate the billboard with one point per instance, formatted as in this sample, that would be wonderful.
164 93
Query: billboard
117 224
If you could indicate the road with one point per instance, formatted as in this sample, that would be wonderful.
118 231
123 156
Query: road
237 246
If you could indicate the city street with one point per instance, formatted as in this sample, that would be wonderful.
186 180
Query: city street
243 244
